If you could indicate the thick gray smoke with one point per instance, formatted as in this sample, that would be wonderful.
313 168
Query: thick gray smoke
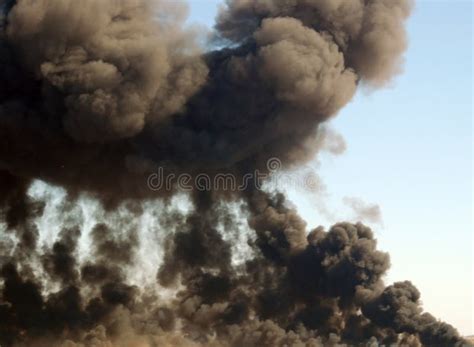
96 95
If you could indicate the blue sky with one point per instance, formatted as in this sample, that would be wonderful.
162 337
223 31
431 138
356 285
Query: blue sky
410 151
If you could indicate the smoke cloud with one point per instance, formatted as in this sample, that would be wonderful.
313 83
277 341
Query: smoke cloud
364 211
95 95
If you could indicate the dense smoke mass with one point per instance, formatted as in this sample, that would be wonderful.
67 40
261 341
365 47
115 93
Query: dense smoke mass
96 95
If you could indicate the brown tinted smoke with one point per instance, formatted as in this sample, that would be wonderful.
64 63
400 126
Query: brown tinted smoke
95 95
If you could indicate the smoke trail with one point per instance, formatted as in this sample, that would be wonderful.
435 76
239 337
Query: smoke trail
94 96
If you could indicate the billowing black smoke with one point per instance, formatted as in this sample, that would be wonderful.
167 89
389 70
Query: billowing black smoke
96 95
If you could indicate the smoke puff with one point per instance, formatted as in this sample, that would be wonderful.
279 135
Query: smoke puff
110 60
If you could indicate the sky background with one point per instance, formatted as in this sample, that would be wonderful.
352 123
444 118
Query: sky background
409 150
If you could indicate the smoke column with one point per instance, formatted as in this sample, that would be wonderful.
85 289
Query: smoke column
96 95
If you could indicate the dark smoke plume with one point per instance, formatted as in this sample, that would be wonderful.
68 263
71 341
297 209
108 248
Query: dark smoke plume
96 95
